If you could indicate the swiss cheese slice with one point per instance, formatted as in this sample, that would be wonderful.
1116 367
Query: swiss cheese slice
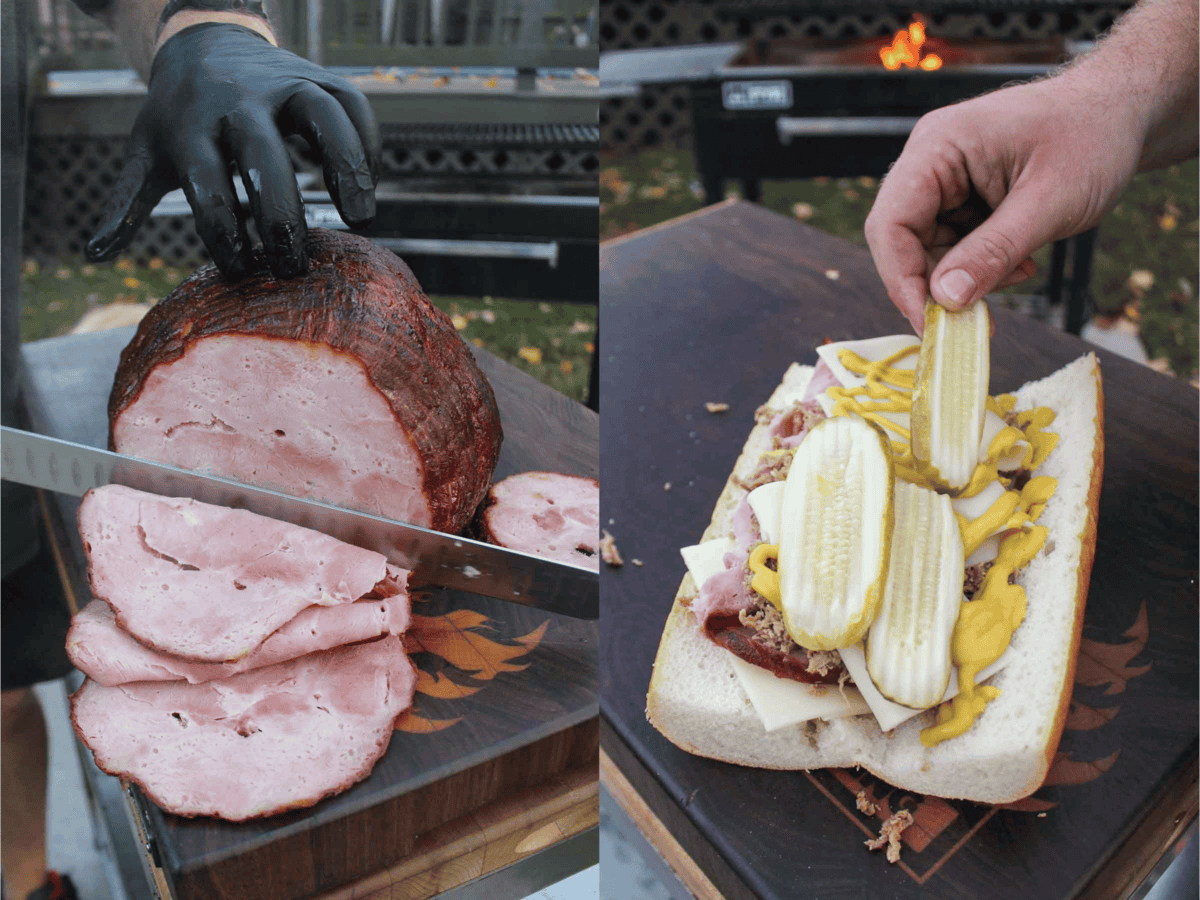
780 702
706 559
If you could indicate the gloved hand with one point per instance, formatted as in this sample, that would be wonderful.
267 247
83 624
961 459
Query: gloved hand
220 93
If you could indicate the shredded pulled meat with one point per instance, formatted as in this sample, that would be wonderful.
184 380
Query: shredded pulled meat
889 834
608 550
864 804
768 622
973 578
822 662
772 466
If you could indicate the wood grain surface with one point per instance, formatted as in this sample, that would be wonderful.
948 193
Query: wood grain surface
714 307
521 728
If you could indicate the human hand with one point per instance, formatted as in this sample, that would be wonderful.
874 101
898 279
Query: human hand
218 94
983 184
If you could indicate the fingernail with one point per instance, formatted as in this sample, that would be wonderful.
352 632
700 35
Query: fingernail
957 286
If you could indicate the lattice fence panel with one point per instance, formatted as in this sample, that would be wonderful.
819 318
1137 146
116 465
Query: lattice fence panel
69 178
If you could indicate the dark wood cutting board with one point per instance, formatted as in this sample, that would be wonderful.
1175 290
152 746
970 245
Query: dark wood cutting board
532 716
714 307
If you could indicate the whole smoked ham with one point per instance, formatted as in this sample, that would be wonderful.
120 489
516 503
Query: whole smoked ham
346 386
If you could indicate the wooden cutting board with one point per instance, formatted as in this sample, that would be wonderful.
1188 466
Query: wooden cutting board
714 307
509 699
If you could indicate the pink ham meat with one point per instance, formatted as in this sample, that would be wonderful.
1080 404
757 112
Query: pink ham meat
347 386
552 515
207 583
255 744
109 655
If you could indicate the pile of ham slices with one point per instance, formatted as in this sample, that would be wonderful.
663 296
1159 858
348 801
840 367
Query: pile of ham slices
237 666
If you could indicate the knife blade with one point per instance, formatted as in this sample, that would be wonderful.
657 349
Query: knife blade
432 557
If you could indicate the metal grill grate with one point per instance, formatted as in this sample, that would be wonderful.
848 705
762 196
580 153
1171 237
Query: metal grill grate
660 115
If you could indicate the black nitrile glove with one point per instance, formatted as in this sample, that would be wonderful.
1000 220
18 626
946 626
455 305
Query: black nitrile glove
221 93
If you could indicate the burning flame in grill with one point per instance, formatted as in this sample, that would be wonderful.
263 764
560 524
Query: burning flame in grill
905 50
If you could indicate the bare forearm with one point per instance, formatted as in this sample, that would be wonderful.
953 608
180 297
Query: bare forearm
1149 65
136 25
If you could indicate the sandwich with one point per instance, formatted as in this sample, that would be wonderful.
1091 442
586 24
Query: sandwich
895 574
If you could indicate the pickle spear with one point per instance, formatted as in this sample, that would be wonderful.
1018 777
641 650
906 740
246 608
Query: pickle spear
950 393
908 646
835 533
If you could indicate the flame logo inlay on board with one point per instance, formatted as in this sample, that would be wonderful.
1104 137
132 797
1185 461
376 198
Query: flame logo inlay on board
457 638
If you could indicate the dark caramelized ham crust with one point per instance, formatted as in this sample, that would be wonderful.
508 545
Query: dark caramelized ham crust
346 385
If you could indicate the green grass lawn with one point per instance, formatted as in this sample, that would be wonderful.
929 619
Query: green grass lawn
553 342
1144 270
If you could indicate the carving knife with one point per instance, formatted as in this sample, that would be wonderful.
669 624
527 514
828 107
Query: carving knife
433 558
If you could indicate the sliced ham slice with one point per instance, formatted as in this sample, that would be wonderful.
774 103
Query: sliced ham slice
207 583
109 655
255 744
551 515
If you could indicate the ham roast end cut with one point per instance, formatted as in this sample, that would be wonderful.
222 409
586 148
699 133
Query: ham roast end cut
548 514
346 385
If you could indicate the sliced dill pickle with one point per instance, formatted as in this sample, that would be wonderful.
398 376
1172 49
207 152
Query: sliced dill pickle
950 393
835 533
908 646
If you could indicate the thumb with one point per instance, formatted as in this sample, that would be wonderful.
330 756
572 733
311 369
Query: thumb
988 255
133 198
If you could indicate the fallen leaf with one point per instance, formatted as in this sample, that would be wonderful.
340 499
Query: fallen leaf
531 355
488 315
653 192
156 264
716 407
566 367
803 211
441 81
833 274
459 320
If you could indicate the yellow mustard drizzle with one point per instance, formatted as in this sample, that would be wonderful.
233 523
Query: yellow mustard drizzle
766 581
1033 421
984 630
986 624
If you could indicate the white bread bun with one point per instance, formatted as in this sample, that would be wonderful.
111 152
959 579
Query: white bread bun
697 702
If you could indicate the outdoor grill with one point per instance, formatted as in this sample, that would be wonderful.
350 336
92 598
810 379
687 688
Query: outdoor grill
782 104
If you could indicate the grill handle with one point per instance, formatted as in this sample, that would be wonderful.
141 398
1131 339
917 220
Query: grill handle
792 127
